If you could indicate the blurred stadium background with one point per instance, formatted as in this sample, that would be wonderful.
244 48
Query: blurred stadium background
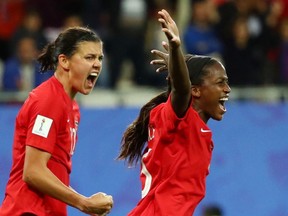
248 173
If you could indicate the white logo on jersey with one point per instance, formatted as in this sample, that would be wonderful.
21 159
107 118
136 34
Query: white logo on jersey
42 126
151 132
205 131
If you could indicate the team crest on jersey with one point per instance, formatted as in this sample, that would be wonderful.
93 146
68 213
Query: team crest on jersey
42 126
151 132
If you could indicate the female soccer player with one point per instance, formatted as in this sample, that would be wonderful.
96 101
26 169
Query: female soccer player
177 156
45 132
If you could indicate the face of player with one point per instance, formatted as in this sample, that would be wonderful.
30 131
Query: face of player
85 67
214 92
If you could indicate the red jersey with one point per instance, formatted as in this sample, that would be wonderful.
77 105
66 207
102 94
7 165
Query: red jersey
48 120
176 163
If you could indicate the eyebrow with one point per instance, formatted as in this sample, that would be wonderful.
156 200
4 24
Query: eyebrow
94 55
222 78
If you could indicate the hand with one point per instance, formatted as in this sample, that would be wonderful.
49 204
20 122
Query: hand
99 204
170 29
163 61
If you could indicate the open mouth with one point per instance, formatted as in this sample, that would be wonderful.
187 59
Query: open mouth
92 78
222 103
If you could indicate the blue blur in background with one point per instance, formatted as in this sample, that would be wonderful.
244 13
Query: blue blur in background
248 174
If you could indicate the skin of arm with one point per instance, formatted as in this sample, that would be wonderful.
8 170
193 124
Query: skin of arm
38 176
178 72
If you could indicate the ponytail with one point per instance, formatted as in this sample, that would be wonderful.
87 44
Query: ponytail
47 58
136 135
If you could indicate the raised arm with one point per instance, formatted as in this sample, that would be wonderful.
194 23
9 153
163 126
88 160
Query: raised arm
177 69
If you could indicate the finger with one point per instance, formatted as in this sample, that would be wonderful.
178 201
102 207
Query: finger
162 21
165 28
167 16
160 54
111 201
165 19
165 45
155 51
161 14
163 24
158 62
161 69
168 33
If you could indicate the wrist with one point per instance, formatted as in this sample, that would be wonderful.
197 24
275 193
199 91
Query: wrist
82 203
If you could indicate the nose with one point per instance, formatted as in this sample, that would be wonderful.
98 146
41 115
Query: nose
227 88
97 63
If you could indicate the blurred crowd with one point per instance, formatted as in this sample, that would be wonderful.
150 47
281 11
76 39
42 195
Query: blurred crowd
250 37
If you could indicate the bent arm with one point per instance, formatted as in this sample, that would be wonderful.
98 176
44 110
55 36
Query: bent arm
180 82
177 68
38 176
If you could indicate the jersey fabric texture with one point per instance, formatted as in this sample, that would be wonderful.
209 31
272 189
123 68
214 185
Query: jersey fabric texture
176 163
48 121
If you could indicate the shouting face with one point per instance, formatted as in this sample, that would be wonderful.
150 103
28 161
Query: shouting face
214 92
84 67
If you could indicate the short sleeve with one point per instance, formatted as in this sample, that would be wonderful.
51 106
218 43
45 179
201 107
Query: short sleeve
46 115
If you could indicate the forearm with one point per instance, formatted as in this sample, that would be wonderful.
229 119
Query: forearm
47 183
177 68
178 71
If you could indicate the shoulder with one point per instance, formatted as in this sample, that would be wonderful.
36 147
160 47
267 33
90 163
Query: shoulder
47 94
163 112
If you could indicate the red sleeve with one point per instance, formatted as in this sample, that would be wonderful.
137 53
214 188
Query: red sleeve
45 117
168 115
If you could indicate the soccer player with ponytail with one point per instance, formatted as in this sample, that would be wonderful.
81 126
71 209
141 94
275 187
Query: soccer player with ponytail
46 132
170 136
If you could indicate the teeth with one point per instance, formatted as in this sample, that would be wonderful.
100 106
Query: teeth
224 99
94 74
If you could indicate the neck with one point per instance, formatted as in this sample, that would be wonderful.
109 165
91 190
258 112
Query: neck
63 78
200 112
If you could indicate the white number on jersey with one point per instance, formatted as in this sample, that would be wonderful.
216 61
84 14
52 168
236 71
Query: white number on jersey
148 179
73 140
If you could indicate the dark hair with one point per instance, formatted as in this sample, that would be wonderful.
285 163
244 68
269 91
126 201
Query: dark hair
66 43
136 134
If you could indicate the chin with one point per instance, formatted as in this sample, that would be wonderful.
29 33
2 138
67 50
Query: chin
86 92
218 117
